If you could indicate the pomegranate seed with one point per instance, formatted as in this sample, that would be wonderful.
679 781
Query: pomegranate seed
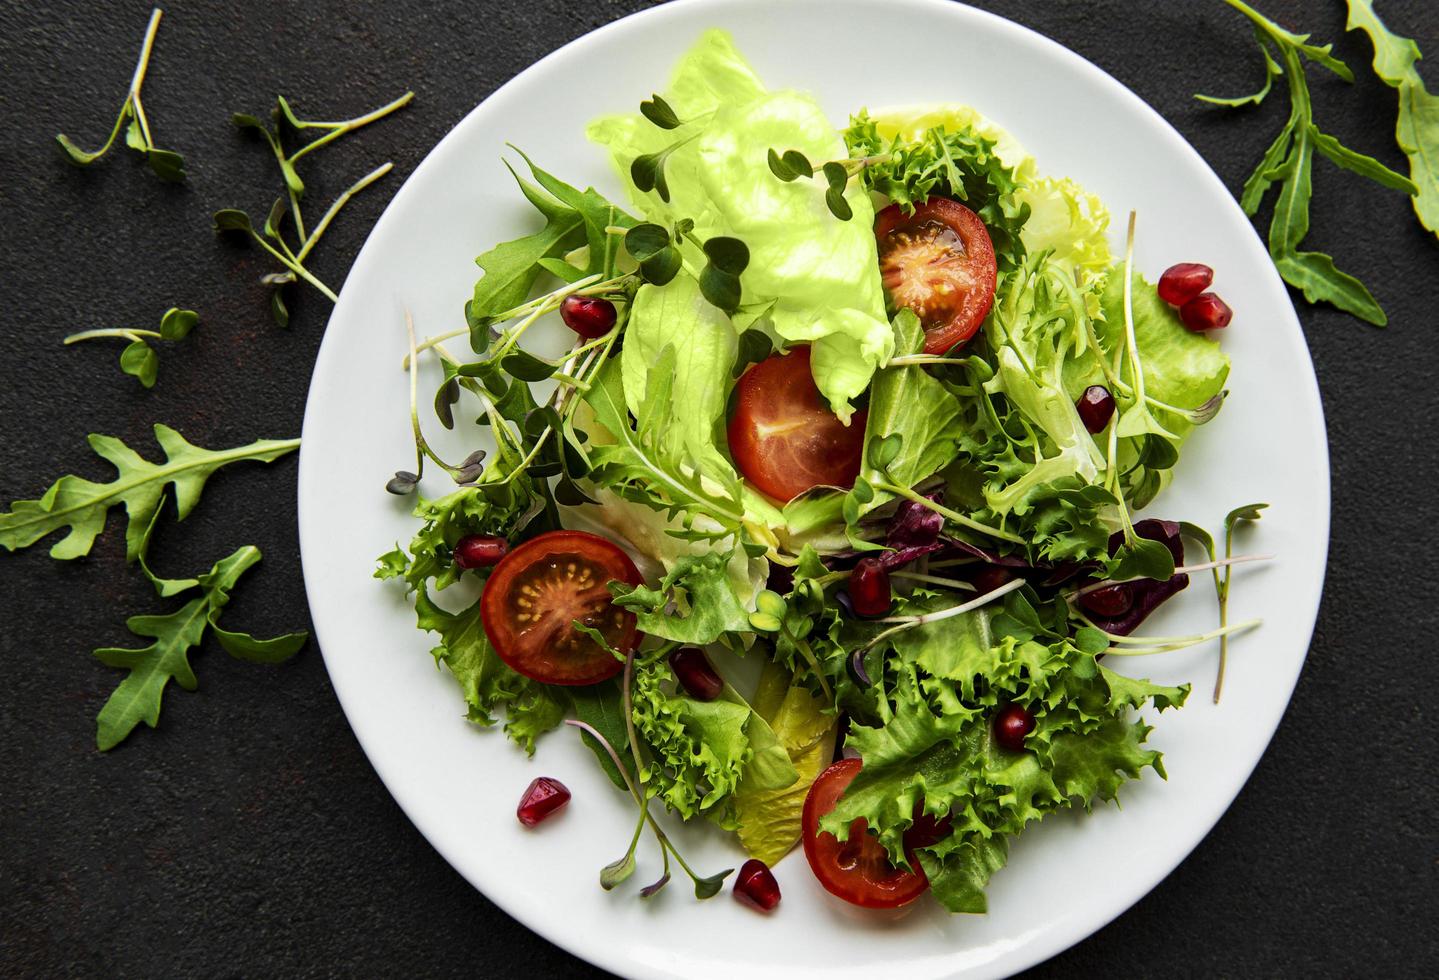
1206 312
1181 283
989 578
543 797
1096 407
869 588
480 551
1108 602
588 316
1011 724
927 829
755 886
695 674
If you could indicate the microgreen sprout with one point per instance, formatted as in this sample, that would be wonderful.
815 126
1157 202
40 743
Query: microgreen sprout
139 359
167 164
910 622
1248 512
271 237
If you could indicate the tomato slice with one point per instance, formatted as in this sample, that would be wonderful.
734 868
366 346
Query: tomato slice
784 438
858 870
540 589
939 262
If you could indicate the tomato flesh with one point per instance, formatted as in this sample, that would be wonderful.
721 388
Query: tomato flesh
938 262
783 436
540 589
857 870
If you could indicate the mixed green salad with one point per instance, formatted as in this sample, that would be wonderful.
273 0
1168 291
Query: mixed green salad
872 410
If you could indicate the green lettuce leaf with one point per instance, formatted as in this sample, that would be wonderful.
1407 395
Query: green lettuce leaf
695 603
769 818
929 744
702 751
812 278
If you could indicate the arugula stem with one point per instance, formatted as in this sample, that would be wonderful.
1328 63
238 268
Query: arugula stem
340 202
947 514
126 333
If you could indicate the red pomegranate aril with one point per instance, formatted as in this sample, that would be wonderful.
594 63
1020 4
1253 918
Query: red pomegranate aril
1108 602
989 578
1181 283
480 551
695 674
1095 407
543 797
588 316
755 886
927 829
1206 312
869 593
1011 724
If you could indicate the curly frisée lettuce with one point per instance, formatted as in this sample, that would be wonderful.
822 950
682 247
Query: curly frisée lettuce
991 536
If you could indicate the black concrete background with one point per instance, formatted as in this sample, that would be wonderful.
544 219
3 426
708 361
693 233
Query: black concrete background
249 836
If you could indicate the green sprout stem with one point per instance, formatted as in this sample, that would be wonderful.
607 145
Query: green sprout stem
132 95
1181 570
910 622
340 202
1182 642
125 333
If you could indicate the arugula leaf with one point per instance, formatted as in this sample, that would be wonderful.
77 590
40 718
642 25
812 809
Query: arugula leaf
1417 131
137 698
1288 161
82 505
511 268
643 463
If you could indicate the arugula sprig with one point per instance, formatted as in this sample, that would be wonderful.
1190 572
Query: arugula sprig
167 164
139 359
175 634
1417 131
1288 162
82 505
270 237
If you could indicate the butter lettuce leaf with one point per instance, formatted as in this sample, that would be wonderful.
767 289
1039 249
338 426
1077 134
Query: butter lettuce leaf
811 278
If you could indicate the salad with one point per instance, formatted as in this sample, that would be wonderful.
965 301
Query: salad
866 413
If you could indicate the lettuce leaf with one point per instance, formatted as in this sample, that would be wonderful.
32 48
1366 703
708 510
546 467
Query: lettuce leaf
695 603
769 819
702 751
811 278
930 746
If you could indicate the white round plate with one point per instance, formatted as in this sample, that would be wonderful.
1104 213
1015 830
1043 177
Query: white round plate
1068 876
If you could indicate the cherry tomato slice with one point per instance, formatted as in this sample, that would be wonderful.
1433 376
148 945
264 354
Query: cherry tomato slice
538 591
938 262
784 438
858 870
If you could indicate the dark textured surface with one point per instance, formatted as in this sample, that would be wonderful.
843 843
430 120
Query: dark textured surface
249 835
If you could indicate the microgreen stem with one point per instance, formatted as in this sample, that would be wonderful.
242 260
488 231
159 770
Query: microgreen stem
340 202
422 448
434 341
295 267
338 129
951 583
124 332
947 514
909 622
1181 570
908 360
1183 642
